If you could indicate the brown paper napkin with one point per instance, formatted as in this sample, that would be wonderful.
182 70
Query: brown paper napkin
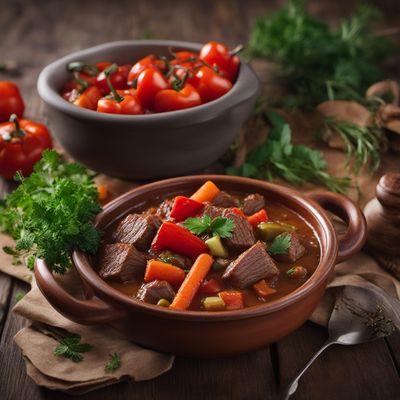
38 341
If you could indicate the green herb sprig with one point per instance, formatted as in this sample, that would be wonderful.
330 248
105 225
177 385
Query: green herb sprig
220 226
363 144
280 245
70 347
113 363
279 158
320 63
51 213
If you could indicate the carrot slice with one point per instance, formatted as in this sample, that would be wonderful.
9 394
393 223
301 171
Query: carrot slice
206 192
232 300
262 289
192 282
158 270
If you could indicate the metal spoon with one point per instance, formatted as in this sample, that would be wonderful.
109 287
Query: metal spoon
360 315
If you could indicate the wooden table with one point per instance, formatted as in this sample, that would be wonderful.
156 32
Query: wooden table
37 32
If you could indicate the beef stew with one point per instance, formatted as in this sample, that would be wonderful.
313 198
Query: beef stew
228 252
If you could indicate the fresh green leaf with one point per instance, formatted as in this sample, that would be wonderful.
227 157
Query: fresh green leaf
19 296
113 364
279 158
320 63
51 213
220 226
223 227
280 245
70 347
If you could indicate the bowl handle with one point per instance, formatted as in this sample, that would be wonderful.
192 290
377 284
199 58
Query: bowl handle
355 236
88 312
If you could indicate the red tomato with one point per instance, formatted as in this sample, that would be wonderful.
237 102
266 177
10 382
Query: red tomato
171 99
89 98
211 85
10 101
216 54
146 62
118 79
184 55
21 145
128 105
149 83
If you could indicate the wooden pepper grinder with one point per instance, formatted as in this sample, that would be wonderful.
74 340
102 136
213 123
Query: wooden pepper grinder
383 220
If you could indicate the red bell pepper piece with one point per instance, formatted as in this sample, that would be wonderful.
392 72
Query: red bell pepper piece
179 240
184 207
211 286
258 217
238 211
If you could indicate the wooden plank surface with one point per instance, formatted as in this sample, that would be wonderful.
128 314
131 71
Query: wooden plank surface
37 32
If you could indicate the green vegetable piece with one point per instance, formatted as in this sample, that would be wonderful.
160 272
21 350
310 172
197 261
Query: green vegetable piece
220 226
51 213
113 364
280 245
216 247
163 303
217 266
70 347
269 230
214 303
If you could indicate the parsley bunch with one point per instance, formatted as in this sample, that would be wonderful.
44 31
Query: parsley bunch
277 157
317 62
51 213
223 227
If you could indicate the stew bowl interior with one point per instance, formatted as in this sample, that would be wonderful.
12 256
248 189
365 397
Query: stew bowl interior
214 333
151 145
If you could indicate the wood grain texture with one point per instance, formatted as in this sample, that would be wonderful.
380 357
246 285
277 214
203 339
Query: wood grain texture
37 32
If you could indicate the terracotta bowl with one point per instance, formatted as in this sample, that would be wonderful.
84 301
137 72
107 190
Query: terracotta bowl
152 145
210 334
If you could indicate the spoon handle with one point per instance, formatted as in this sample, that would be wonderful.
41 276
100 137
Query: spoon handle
292 387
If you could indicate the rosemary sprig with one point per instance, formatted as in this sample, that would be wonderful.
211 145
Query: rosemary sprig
362 144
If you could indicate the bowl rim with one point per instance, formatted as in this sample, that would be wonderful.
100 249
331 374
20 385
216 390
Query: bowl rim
328 246
239 93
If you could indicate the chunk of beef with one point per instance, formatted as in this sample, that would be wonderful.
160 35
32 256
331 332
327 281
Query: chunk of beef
294 252
253 203
224 199
242 236
153 291
212 211
121 262
138 230
250 267
175 259
164 209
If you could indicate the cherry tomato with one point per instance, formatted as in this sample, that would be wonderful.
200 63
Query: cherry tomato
21 145
89 98
211 85
146 62
118 79
10 101
185 55
216 54
170 99
128 105
149 82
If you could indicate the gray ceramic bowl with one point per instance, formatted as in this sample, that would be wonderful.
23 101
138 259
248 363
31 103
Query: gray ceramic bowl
152 145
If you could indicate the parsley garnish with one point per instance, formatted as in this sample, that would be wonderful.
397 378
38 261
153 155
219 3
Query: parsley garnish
220 226
19 296
51 212
280 245
70 347
113 364
318 62
279 158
